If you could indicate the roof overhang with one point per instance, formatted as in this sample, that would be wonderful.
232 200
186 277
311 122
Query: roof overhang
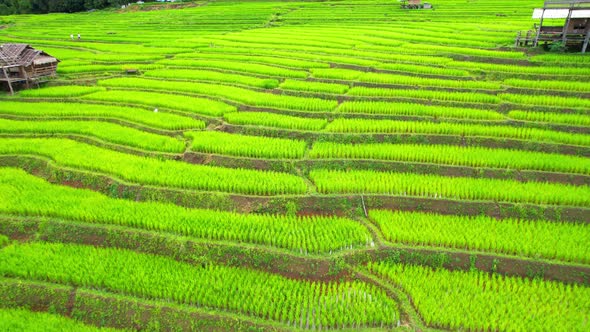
44 60
560 13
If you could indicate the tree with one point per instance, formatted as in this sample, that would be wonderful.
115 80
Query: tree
9 7
96 4
39 6
5 9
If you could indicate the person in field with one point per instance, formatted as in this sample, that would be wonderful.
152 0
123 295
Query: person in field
79 37
72 37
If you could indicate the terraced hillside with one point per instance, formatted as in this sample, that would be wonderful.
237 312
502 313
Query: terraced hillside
296 165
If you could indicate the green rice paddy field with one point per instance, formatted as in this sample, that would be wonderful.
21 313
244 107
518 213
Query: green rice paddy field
296 165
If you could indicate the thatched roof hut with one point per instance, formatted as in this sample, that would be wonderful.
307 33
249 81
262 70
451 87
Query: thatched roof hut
22 64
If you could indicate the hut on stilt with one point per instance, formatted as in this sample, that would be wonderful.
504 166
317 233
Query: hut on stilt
22 65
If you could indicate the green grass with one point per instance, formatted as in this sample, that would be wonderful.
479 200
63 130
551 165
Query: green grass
4 240
277 61
275 120
252 68
216 286
427 70
51 110
449 128
549 85
105 131
170 101
519 70
568 119
410 109
245 146
93 68
441 187
240 95
479 301
61 91
454 155
327 92
535 239
17 319
25 195
383 78
463 97
314 87
151 171
213 76
546 100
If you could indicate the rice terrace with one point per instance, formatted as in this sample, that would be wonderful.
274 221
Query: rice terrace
355 165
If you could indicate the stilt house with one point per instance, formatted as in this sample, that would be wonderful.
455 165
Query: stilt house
21 64
575 30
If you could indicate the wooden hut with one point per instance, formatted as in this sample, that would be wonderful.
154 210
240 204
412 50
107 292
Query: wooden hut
22 64
575 30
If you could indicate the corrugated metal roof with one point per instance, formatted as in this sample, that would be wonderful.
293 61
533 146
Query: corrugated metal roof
560 13
581 13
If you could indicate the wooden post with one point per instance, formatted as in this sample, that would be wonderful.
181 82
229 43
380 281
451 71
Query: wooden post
8 80
539 30
528 38
517 39
567 24
23 73
586 39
